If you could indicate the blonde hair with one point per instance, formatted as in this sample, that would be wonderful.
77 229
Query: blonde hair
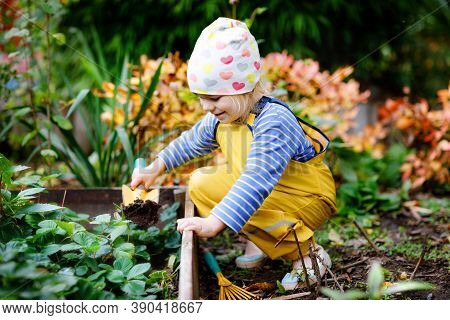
245 102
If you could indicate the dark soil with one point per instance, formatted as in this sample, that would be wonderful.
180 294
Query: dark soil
351 265
142 213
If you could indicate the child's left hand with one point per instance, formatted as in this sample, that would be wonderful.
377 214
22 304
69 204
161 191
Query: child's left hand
203 227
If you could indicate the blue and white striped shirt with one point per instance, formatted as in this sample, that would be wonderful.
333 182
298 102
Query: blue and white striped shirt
277 138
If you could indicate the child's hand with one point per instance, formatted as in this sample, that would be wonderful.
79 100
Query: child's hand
146 176
203 227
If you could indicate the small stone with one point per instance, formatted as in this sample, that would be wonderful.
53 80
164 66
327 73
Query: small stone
430 296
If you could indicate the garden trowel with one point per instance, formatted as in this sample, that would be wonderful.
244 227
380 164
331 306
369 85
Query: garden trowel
129 196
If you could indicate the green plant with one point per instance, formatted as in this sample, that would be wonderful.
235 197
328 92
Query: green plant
376 287
15 205
412 250
351 166
48 252
363 197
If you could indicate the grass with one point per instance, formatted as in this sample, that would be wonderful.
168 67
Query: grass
412 250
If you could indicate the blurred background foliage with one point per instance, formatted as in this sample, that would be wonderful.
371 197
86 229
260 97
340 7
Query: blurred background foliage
334 32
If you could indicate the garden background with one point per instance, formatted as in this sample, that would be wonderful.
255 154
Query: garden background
88 86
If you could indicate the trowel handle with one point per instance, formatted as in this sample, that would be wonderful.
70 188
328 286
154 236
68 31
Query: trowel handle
211 262
140 163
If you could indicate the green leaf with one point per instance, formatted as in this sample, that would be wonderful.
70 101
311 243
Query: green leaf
96 275
153 231
62 122
68 227
60 38
5 169
105 266
37 208
123 136
134 287
19 168
15 32
71 256
171 262
352 294
87 241
104 249
28 180
170 213
117 231
123 264
407 286
50 6
91 263
138 270
375 281
174 241
281 289
48 224
48 153
81 95
124 250
30 135
81 270
70 247
30 192
260 10
102 219
115 276
157 276
51 249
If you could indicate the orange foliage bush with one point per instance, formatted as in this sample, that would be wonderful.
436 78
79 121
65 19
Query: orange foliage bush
426 131
321 96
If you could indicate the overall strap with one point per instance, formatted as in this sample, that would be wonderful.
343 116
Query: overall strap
310 128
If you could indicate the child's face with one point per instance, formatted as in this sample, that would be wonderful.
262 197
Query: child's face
223 108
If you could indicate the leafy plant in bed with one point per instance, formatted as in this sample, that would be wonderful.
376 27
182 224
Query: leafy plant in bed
48 251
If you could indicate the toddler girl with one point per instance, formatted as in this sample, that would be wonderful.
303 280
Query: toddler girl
274 182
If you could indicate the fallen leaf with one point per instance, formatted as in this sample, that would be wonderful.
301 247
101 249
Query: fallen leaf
334 236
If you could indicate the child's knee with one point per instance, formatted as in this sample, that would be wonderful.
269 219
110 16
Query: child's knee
197 182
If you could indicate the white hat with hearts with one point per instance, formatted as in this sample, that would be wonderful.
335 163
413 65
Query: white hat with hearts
225 60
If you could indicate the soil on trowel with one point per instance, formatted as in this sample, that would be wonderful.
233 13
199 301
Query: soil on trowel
142 213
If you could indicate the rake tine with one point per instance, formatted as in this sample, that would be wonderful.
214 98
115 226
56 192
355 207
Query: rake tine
228 295
245 293
238 293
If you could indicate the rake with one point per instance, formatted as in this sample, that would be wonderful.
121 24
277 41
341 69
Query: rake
227 291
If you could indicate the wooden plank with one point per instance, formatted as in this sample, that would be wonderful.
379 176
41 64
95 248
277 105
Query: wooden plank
95 201
188 281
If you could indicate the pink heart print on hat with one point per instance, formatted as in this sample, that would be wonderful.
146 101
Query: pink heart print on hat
226 75
238 85
225 60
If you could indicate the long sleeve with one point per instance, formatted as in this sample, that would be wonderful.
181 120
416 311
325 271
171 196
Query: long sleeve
197 141
277 138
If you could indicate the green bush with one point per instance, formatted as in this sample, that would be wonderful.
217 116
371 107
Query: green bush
47 252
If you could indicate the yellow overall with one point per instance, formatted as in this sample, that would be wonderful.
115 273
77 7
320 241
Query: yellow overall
303 199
